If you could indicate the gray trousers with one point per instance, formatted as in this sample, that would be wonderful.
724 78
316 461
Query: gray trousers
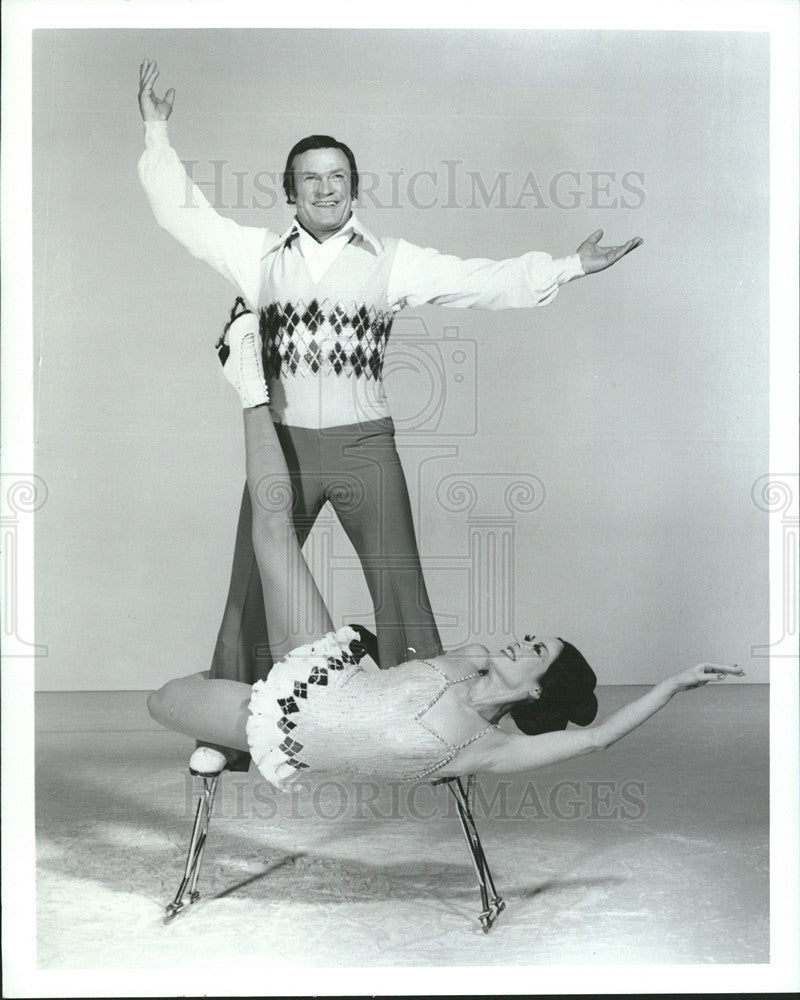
357 470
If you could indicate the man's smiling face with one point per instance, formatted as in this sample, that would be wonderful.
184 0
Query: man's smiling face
322 183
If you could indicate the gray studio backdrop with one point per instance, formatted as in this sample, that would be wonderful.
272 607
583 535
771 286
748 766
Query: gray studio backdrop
584 469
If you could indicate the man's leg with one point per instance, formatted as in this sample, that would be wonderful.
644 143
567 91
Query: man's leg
242 649
375 511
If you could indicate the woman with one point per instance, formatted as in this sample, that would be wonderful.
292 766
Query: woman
325 705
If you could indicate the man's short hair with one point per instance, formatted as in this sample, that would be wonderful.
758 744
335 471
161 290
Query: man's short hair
317 142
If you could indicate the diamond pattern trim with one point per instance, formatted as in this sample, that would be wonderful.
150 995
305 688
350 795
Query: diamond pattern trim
324 338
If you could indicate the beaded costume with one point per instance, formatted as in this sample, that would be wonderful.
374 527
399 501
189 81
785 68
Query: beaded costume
325 707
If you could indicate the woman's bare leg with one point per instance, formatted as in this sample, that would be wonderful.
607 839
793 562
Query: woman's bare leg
214 711
295 611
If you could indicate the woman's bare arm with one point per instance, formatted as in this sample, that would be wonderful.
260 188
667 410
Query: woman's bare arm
508 752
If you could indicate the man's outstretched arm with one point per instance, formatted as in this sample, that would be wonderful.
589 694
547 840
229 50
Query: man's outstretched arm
423 275
182 210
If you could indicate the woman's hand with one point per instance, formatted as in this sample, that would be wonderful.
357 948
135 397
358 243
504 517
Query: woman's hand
702 673
152 109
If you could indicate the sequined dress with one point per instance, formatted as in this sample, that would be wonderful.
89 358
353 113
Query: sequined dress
326 708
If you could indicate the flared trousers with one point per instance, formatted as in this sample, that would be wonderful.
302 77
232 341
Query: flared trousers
357 470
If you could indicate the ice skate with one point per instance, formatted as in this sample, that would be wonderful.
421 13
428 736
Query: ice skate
202 763
239 351
206 762
492 903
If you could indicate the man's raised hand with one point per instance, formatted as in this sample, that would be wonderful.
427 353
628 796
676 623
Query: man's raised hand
153 109
597 258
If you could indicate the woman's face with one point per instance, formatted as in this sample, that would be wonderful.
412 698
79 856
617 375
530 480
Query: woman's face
522 664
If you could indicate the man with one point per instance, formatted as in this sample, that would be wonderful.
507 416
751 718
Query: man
326 292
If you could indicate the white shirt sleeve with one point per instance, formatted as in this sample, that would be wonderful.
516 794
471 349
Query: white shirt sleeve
422 276
180 208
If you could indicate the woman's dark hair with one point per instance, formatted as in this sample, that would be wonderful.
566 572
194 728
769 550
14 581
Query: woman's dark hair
317 142
567 696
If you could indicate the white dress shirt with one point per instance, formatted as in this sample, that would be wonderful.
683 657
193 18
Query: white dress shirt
419 275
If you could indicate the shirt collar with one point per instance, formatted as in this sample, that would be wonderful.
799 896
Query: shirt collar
352 226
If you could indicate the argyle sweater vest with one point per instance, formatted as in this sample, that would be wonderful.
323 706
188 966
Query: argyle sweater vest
324 342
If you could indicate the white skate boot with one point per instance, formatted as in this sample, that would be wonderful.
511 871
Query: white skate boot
239 350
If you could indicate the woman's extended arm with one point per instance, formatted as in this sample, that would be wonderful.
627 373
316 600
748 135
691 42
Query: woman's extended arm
523 753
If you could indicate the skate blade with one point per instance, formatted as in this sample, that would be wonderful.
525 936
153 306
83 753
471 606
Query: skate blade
173 910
